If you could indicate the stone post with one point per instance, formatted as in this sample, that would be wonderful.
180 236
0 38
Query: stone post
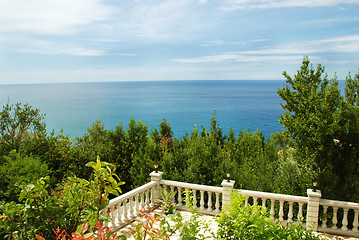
227 189
313 209
156 190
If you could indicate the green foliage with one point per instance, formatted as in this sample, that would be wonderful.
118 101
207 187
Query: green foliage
254 222
147 229
72 203
167 201
55 152
17 123
323 125
191 229
17 171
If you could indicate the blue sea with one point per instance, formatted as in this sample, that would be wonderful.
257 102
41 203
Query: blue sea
74 107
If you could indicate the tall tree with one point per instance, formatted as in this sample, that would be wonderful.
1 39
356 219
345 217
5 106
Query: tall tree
18 122
324 127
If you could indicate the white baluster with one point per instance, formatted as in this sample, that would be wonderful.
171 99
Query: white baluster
119 213
179 199
290 212
324 221
345 220
355 222
264 201
152 198
202 200
125 216
335 218
147 200
217 202
209 201
255 201
281 210
130 206
136 212
300 212
246 202
272 202
142 201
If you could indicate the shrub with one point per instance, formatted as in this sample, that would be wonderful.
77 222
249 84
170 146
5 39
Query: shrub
254 222
72 203
17 171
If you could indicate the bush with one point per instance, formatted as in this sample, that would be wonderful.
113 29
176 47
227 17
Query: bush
254 222
74 202
17 171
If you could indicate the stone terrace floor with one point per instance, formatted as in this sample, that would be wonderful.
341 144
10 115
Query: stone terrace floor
186 215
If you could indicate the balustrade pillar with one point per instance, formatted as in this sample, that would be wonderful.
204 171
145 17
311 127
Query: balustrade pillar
156 190
227 189
313 209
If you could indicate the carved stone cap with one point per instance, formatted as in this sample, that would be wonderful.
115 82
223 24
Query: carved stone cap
155 176
311 193
227 184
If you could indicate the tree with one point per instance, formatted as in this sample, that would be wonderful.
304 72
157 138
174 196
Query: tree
18 122
323 125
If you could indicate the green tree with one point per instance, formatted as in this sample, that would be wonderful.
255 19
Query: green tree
17 123
96 142
323 125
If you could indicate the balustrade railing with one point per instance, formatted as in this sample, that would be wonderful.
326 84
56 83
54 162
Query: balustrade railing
126 207
285 208
209 198
336 217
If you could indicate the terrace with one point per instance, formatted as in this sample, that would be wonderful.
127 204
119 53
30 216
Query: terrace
320 215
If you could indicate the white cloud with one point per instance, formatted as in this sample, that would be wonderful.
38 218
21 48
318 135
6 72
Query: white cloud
86 52
266 4
220 42
55 17
233 57
163 21
285 52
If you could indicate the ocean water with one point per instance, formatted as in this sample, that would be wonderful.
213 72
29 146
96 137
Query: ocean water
76 106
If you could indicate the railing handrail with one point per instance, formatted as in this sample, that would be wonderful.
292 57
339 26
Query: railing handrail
125 207
274 196
192 186
337 203
132 193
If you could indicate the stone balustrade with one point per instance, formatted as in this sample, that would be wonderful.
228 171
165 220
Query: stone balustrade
209 202
314 213
126 207
285 208
338 217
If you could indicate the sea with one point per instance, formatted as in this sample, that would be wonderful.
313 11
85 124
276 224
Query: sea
74 107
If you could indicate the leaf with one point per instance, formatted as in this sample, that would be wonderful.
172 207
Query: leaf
84 227
38 237
89 236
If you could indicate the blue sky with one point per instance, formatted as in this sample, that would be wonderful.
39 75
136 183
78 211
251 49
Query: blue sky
44 41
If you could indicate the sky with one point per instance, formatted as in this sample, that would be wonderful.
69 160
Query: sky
57 41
